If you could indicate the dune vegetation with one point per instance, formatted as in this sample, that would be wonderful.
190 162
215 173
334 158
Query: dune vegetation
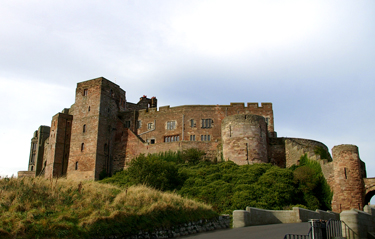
50 208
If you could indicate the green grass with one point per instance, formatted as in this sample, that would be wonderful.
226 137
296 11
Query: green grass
41 208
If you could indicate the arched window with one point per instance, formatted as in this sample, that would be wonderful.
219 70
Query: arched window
76 168
82 146
84 128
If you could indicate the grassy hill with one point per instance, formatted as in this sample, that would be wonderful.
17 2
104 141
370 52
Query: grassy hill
40 208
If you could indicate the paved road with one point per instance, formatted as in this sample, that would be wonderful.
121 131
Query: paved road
274 231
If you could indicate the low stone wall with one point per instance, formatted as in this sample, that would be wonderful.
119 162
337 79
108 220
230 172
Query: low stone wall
303 215
255 216
359 221
222 222
22 174
326 215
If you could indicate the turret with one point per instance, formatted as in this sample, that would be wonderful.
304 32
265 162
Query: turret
245 139
348 185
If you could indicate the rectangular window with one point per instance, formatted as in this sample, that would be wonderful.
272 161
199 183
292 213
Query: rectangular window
85 92
192 123
206 123
150 126
152 141
171 125
172 138
192 137
127 124
205 137
32 159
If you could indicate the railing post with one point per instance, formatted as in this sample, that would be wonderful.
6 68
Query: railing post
312 229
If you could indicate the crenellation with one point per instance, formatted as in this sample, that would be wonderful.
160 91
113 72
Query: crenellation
102 132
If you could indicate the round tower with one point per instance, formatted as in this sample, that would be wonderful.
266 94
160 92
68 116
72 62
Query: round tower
348 187
244 139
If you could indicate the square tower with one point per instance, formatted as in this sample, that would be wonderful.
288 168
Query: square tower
95 114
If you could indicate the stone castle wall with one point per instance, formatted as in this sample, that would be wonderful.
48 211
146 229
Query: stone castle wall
57 149
102 132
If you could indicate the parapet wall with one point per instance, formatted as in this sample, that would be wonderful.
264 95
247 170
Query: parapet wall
285 152
359 221
255 216
296 147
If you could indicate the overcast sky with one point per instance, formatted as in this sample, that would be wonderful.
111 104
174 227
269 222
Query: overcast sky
314 60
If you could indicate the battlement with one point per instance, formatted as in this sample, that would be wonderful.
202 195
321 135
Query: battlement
250 106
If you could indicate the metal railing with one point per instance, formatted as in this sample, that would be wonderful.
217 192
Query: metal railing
321 229
337 228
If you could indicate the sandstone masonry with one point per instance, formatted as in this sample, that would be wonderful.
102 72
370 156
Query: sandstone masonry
102 132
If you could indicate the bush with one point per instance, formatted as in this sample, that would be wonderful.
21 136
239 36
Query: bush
150 171
228 186
313 187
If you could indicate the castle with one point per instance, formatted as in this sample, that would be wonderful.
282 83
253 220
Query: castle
102 132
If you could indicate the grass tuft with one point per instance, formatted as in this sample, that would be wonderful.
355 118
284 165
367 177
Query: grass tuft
41 208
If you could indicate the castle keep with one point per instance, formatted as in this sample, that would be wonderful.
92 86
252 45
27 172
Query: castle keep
102 132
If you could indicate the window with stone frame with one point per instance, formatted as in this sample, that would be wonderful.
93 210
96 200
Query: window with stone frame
85 92
172 138
192 137
205 137
207 123
32 161
171 125
150 125
192 123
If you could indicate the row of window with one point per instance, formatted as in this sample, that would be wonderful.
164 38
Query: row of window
172 138
203 137
171 125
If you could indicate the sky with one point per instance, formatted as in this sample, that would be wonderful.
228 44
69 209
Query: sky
313 60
